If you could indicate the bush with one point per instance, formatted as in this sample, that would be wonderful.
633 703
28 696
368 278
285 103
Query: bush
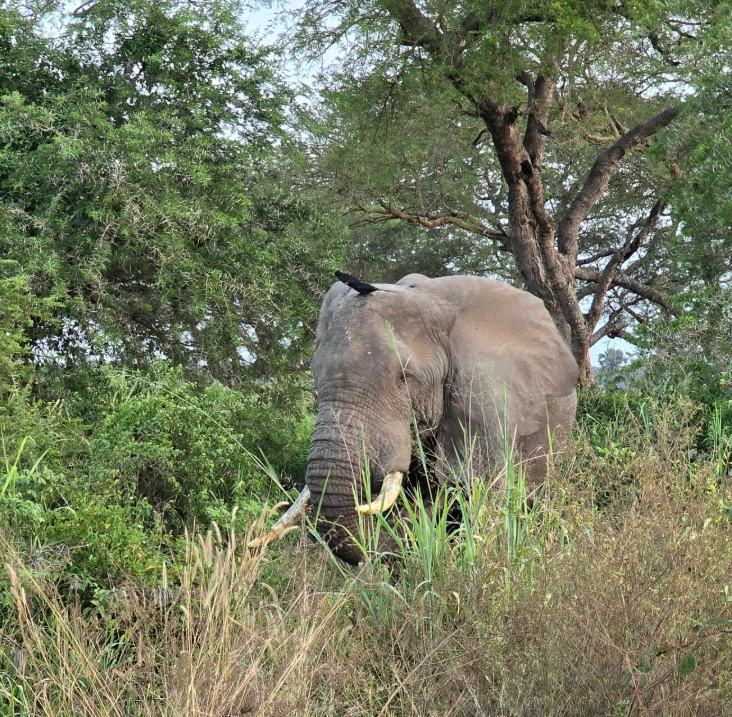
690 355
121 467
179 446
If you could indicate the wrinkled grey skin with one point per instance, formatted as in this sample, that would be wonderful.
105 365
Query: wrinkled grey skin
471 358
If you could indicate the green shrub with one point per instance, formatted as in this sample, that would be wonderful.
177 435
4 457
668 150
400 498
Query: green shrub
691 356
118 470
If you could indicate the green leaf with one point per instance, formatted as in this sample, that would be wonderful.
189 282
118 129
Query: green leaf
688 665
626 678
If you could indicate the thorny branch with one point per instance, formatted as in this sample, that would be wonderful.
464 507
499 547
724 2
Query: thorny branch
626 282
631 246
434 220
597 181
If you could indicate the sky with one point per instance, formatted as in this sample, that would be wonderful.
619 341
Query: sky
267 23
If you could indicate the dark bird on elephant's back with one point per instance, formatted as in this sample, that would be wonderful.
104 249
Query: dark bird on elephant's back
354 283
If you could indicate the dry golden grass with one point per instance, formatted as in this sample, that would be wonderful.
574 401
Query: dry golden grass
616 600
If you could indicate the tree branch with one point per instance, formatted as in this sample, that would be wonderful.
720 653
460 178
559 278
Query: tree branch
626 307
418 29
612 267
626 336
540 95
474 23
599 178
84 8
434 220
595 257
625 282
585 291
613 325
655 41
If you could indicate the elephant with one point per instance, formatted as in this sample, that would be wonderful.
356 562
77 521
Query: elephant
469 361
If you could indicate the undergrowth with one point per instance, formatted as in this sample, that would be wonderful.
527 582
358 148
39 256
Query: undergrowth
609 596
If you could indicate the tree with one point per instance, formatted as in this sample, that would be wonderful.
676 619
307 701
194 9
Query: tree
147 191
612 359
702 203
610 362
160 265
690 355
566 95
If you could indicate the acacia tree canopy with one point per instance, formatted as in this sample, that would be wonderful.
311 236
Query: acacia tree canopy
147 189
523 125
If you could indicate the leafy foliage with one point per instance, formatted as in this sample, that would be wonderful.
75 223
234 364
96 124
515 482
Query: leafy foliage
140 191
132 459
703 201
161 266
691 355
20 308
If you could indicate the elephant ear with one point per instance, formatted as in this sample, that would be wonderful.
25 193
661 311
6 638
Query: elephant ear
507 352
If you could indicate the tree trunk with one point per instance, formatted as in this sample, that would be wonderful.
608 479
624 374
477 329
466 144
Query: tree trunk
532 230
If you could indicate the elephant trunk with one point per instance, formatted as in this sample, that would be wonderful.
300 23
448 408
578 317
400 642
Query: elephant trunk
335 489
335 475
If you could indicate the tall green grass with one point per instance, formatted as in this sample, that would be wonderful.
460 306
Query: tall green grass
11 469
721 440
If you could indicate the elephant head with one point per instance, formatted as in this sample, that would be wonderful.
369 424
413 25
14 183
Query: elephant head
469 360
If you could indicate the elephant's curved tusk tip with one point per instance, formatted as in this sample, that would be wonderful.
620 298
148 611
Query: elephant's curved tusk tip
270 537
261 541
286 523
390 489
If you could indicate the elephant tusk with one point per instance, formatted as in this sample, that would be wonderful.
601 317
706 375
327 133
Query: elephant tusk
388 494
287 522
